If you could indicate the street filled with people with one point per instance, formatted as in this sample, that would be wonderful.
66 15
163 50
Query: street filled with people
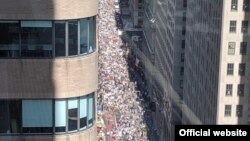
122 112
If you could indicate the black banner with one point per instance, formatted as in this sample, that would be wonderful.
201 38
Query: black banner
198 132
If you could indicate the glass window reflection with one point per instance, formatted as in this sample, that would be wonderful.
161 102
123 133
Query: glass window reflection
92 37
36 38
60 49
9 42
73 37
83 36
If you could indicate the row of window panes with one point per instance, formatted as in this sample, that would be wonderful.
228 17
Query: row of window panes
46 39
234 5
232 46
46 116
240 91
242 69
228 110
233 26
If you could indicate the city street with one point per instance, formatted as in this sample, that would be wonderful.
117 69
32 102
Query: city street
122 89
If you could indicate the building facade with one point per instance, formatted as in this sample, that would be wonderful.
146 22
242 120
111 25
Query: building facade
156 55
48 64
216 86
195 59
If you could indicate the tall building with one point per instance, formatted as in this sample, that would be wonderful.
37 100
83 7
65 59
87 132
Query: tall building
48 65
195 59
216 86
136 8
157 60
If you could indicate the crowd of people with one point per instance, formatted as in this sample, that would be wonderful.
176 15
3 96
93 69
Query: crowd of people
118 92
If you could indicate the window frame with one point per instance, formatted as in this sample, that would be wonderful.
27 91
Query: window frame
241 90
231 48
233 26
230 68
228 110
229 89
53 44
53 106
234 5
243 48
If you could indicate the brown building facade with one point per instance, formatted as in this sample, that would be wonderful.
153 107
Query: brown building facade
49 67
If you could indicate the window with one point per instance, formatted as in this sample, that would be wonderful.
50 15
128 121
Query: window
246 5
239 110
234 5
183 44
184 18
243 48
47 116
232 28
181 84
182 71
10 116
72 37
231 48
244 26
184 3
182 57
60 49
90 110
60 116
229 90
72 114
228 110
46 39
84 36
242 69
241 88
9 42
92 34
37 116
230 69
183 30
83 112
36 38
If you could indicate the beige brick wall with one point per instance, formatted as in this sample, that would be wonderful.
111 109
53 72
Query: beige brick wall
47 9
48 78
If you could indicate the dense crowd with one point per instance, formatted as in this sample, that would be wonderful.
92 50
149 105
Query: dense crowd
118 93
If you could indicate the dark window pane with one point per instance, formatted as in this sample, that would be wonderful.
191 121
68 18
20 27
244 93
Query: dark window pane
60 129
15 115
72 37
83 122
72 114
10 116
84 36
92 44
36 38
37 129
60 39
4 117
9 42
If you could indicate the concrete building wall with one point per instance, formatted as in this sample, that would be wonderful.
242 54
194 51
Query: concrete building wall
202 54
47 9
48 78
157 49
179 48
238 15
